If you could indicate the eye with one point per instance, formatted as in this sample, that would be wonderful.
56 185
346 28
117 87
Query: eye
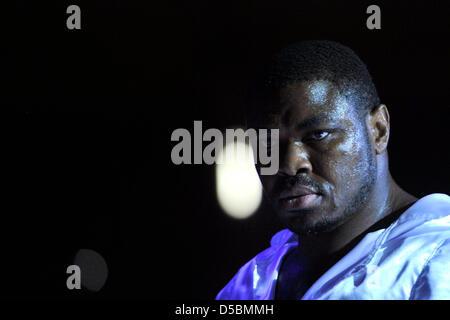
317 135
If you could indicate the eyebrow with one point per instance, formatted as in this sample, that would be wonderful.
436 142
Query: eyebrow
312 122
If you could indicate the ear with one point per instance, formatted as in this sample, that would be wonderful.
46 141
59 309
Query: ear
379 128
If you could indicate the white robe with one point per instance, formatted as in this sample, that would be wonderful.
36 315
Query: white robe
408 260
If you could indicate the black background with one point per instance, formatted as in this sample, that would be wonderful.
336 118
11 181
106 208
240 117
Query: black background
88 116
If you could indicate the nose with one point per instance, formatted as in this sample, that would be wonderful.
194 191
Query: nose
295 160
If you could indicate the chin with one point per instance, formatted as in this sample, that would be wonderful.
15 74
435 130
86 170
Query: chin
310 223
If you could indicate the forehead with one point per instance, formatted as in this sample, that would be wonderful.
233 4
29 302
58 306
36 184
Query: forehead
318 99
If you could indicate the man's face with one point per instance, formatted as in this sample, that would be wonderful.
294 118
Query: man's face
327 165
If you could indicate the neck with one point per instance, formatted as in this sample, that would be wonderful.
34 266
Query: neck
386 198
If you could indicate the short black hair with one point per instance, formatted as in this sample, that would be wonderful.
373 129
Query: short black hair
320 60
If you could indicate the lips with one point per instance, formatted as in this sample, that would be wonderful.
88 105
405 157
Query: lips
299 198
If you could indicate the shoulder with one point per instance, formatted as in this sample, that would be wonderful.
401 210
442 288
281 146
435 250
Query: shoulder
416 251
408 260
428 215
255 279
433 282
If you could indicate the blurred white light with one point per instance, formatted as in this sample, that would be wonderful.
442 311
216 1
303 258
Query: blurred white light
238 187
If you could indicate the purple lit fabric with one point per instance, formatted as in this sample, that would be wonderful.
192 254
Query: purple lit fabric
408 260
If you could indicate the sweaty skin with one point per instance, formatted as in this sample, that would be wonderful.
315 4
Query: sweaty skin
333 182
